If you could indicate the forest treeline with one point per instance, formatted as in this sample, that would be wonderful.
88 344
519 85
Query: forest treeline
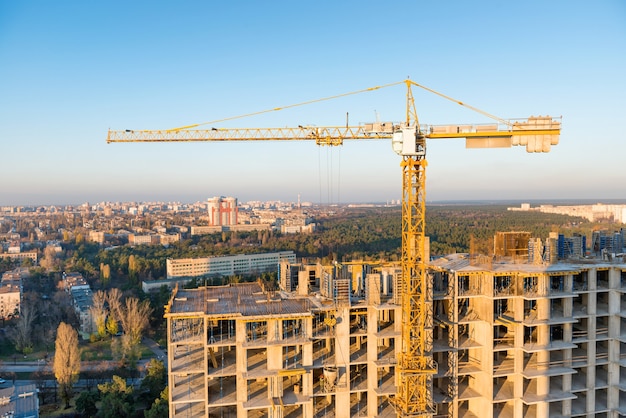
348 234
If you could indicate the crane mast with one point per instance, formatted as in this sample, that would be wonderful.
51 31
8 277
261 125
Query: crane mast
416 365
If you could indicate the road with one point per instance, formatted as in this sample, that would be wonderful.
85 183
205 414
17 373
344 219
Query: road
33 366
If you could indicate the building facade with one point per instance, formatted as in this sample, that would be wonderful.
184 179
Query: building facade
229 265
517 340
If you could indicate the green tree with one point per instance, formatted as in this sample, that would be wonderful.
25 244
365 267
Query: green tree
86 403
159 408
116 399
154 381
66 364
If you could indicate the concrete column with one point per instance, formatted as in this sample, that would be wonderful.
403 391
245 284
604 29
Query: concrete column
342 361
241 367
372 354
615 322
303 283
170 362
307 360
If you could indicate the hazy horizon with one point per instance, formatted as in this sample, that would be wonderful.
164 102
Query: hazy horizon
431 202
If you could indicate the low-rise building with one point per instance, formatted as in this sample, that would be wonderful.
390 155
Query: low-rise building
10 297
82 300
19 402
228 265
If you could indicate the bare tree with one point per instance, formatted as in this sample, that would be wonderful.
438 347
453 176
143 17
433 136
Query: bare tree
114 297
66 364
21 334
134 319
99 312
50 260
105 273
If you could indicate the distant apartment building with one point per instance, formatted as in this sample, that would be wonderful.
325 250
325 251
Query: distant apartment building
82 300
592 213
166 239
15 247
204 230
227 265
295 224
32 255
73 279
135 239
222 211
96 236
10 294
55 246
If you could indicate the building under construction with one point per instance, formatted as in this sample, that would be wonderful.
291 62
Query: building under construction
510 339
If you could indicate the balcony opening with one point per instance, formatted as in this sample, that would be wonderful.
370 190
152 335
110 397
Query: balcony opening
581 282
556 333
602 279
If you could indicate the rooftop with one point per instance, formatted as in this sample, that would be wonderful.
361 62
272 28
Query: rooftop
243 299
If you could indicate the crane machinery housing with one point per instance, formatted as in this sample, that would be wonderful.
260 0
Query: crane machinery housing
408 139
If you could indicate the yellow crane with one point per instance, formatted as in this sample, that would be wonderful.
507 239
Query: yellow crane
416 366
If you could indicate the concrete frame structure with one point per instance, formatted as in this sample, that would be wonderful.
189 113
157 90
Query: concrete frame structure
523 340
510 340
248 352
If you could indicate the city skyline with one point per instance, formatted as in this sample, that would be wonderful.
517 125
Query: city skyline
71 71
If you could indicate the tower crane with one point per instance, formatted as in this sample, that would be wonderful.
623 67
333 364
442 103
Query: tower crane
416 365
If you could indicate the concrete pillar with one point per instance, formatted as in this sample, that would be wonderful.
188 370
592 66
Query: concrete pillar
615 322
307 361
373 288
274 351
372 354
342 361
241 367
303 283
386 280
543 356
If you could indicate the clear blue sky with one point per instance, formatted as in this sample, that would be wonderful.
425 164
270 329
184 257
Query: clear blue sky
70 70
